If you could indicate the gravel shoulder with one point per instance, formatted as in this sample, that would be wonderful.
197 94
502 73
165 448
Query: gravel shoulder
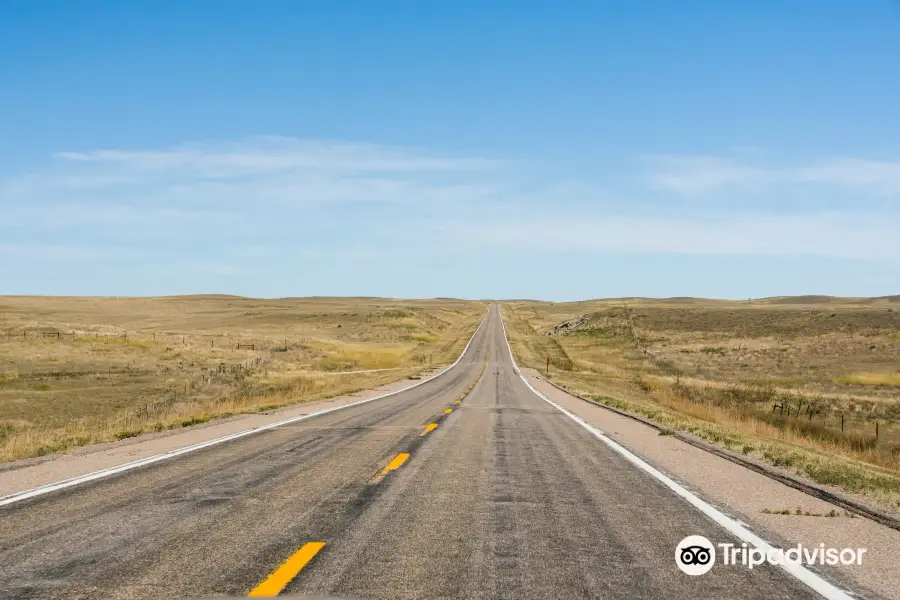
745 494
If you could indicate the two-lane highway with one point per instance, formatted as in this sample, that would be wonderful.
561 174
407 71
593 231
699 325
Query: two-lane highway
468 486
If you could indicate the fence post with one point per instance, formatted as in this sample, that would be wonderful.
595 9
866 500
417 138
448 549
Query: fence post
842 422
876 429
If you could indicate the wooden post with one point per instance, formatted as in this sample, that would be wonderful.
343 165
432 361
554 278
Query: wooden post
212 343
876 429
842 422
548 366
799 407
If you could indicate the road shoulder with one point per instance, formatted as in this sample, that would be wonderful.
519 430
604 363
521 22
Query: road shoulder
745 495
28 474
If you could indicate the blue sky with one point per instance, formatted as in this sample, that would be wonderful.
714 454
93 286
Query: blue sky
484 150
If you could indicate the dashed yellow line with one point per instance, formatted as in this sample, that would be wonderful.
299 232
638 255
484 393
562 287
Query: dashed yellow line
398 460
283 575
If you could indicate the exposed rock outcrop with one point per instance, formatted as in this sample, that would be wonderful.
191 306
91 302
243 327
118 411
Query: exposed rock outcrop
567 326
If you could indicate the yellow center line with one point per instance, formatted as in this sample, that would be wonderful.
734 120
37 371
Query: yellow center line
287 571
430 427
448 410
398 460
458 401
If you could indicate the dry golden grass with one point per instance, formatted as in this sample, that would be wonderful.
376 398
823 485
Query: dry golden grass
717 368
144 364
888 379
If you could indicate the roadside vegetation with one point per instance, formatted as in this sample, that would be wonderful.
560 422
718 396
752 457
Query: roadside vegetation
77 371
810 385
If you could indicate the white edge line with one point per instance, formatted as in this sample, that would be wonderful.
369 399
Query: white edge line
66 483
804 575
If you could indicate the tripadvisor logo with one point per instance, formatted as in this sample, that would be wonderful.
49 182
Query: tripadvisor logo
696 555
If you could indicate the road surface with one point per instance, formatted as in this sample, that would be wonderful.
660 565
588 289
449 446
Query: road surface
505 497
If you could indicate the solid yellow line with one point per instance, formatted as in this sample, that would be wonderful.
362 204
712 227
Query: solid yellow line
283 575
430 427
448 411
458 401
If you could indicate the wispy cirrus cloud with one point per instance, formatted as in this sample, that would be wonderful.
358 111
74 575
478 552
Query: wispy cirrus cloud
308 201
268 155
836 235
698 174
709 174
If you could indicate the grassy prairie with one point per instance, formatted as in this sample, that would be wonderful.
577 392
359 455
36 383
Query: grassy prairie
75 371
797 382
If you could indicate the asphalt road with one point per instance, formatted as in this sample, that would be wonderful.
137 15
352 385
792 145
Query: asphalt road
505 498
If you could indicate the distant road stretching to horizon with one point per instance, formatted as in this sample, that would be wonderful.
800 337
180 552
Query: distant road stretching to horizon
447 490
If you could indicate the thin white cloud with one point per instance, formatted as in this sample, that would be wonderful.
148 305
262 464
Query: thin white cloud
268 155
829 235
852 172
706 174
308 200
697 174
